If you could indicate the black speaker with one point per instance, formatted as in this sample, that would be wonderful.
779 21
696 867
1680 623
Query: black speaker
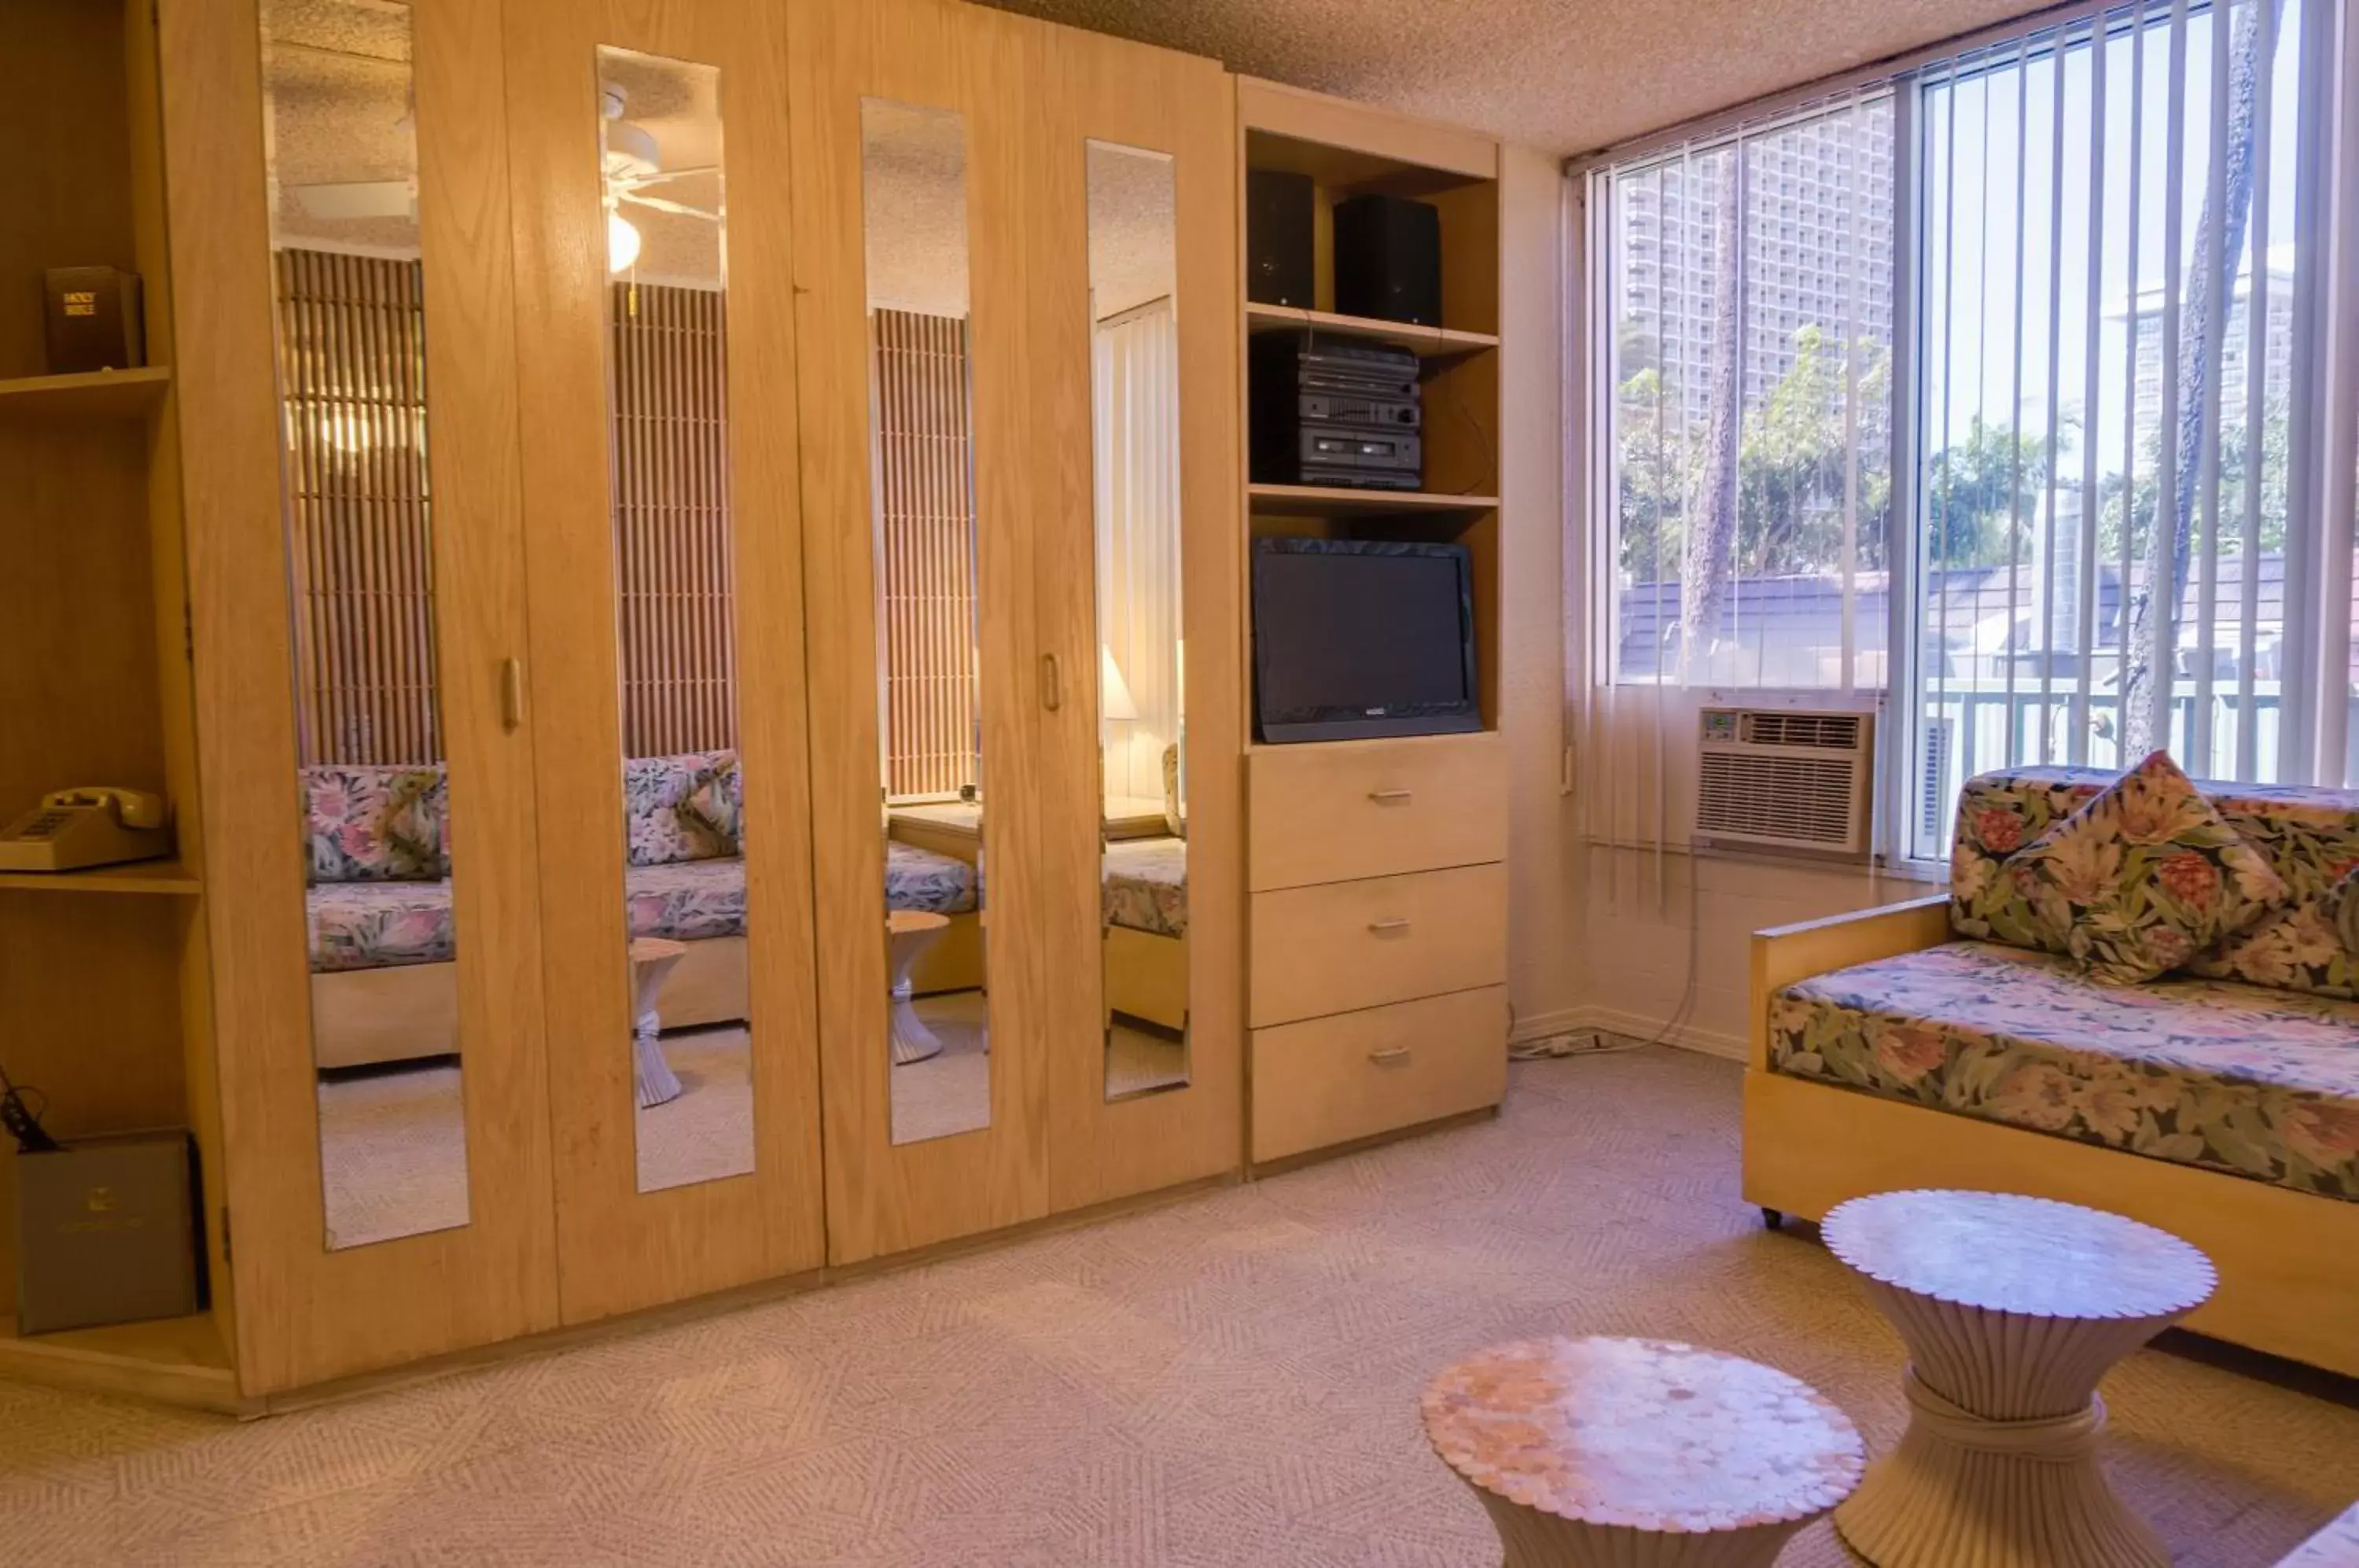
1277 237
1389 259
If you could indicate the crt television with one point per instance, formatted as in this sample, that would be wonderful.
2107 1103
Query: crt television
1354 638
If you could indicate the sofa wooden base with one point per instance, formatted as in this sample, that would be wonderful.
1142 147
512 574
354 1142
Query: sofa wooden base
1147 976
2288 1261
361 1016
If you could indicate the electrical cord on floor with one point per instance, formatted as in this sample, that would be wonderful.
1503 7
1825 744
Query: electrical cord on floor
23 1121
1556 1047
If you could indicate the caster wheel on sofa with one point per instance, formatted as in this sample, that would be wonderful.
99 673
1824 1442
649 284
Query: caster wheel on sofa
1773 1219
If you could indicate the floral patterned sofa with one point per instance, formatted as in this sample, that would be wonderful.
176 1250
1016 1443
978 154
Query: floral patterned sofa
2221 1101
379 896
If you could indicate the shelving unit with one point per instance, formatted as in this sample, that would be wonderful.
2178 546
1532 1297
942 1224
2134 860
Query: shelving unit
180 1361
105 1002
1330 500
1430 343
168 877
91 394
1376 950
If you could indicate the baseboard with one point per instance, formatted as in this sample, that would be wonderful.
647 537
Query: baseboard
1630 1026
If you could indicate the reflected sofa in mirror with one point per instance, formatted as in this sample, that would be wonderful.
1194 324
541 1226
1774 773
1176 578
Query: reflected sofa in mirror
661 184
929 716
1142 691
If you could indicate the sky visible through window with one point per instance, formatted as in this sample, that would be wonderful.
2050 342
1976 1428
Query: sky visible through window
2002 118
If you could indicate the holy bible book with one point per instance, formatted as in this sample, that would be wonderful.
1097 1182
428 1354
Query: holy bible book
93 318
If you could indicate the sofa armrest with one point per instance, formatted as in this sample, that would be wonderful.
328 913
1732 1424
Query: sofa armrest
1783 954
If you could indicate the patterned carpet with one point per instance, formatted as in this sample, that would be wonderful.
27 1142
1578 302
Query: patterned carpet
1228 1380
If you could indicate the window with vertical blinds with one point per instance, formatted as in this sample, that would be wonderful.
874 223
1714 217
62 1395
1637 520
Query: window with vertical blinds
1746 400
2077 445
2114 290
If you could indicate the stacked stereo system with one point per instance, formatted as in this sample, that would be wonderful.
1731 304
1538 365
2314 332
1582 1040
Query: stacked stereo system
1330 409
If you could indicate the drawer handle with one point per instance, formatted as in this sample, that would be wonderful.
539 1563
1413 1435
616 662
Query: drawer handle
1389 1055
1386 928
1387 797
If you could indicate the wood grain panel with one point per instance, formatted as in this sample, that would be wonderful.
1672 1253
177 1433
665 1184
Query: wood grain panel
983 64
169 554
676 579
618 1248
1346 809
351 373
305 1314
1350 1075
1342 945
1376 134
926 520
1131 95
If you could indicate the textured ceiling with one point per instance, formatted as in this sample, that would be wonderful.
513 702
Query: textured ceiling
1563 76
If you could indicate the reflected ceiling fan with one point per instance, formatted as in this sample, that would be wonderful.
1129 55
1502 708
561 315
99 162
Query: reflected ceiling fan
631 164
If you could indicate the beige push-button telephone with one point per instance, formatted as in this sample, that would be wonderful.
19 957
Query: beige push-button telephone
93 826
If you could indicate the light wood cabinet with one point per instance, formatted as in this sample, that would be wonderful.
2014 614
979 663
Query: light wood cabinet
1012 105
752 1210
1333 1080
1342 945
1378 911
1372 807
306 1313
518 595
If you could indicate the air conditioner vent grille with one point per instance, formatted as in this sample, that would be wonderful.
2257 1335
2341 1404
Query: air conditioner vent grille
1791 800
1827 732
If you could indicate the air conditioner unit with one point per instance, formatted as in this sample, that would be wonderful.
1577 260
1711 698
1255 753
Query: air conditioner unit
1786 781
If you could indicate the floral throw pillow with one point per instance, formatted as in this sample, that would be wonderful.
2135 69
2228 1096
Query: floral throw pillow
2144 876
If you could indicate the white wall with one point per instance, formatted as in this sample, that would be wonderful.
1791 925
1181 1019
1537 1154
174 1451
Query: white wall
1544 961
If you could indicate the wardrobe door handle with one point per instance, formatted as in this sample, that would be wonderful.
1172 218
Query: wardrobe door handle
1387 797
1389 1055
511 693
1386 928
1052 682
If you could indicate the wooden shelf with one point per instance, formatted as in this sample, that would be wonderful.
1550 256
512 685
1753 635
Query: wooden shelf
180 1361
166 877
1330 500
1427 343
93 394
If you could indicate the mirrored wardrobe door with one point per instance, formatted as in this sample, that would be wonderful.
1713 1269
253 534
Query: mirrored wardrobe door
1134 311
1136 315
927 681
372 771
660 477
927 601
348 468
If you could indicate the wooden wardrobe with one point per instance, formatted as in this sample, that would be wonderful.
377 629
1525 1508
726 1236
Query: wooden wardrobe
521 114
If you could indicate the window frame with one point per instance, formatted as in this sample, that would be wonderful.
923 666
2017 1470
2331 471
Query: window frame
2323 493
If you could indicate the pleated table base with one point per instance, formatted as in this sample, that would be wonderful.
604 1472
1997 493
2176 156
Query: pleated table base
1962 1492
2013 1309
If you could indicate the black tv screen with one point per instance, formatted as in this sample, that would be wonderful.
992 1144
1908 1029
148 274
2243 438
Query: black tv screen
1354 638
